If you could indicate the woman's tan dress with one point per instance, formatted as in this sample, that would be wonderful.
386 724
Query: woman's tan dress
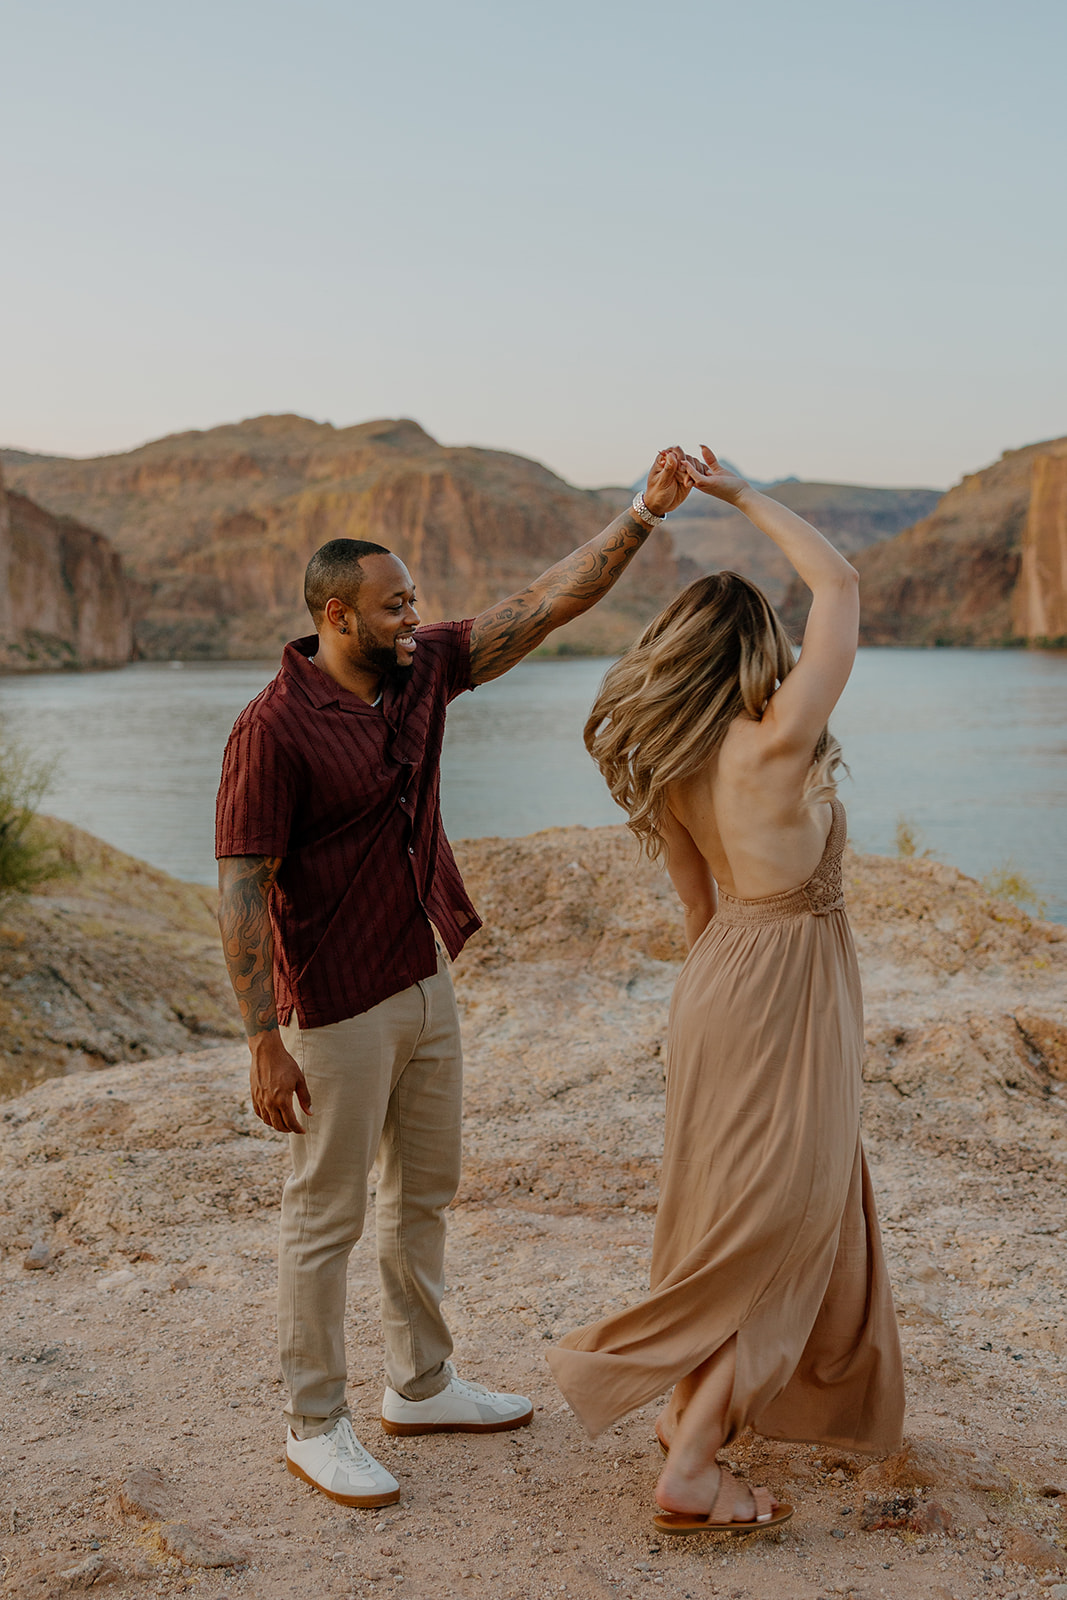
766 1226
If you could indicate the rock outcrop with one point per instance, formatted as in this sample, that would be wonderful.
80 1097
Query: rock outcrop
1039 603
141 1435
215 528
63 599
952 579
110 960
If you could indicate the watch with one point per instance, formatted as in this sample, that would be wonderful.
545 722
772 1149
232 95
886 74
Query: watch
643 514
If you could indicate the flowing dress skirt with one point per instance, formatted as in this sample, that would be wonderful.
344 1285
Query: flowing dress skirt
766 1231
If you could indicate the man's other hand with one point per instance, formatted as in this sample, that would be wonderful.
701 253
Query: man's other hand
668 482
275 1078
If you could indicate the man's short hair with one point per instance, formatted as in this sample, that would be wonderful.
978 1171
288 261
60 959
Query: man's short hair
334 571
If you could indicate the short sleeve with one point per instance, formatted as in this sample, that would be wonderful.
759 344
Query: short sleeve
257 794
453 654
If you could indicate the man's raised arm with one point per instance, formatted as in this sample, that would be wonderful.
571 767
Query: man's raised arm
248 945
508 631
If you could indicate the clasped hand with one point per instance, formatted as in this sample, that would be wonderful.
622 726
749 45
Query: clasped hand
674 473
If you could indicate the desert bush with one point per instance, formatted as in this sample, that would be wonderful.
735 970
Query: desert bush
26 855
908 839
1009 882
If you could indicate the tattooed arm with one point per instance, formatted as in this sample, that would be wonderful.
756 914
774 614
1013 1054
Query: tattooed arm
248 945
508 631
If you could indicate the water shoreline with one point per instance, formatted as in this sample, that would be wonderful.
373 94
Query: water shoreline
969 746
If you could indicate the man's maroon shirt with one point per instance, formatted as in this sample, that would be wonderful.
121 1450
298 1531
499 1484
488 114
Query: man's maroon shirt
349 796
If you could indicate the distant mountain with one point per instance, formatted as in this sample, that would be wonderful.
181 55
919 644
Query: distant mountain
988 566
711 535
215 528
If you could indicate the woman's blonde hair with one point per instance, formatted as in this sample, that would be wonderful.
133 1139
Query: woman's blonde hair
716 653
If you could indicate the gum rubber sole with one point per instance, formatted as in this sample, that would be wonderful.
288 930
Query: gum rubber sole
366 1501
680 1522
409 1429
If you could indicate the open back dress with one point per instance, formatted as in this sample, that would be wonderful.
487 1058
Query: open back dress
766 1230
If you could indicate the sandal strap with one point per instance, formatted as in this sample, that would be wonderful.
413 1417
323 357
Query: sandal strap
764 1504
722 1512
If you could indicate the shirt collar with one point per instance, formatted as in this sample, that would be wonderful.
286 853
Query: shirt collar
318 686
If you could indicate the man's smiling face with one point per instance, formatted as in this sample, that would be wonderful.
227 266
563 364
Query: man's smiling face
385 617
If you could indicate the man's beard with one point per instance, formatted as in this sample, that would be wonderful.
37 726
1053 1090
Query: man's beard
381 656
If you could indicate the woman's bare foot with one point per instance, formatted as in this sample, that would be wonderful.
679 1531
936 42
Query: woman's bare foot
696 1488
736 1509
696 1491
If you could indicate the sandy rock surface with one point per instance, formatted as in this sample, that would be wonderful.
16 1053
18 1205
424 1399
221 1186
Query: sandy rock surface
110 960
140 1441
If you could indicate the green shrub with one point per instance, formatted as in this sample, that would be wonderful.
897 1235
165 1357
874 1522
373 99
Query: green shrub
26 855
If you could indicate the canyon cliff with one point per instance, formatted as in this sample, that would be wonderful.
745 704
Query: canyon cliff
63 598
215 528
1039 603
987 567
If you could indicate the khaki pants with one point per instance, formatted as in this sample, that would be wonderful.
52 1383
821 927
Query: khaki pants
385 1085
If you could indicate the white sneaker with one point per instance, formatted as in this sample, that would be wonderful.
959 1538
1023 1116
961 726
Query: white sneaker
337 1465
460 1408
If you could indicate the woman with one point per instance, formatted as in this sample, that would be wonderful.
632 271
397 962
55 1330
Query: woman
770 1307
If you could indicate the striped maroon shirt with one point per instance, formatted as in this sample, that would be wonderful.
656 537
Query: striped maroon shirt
349 795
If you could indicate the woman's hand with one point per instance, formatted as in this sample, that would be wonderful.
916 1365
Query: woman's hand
668 482
711 478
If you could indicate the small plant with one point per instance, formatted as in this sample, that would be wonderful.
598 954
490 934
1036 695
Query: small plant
908 839
1009 882
26 858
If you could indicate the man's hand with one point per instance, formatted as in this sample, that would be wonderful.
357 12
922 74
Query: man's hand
711 478
668 482
274 1079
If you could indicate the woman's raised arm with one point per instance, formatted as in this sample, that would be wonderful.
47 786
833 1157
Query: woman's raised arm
797 712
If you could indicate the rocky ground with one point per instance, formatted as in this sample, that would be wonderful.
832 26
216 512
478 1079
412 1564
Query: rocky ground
140 1442
109 960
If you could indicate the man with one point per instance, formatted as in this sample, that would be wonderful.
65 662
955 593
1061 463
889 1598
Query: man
338 890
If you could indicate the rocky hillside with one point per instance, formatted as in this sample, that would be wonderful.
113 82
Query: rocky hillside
215 528
140 1440
955 577
1039 600
63 598
110 960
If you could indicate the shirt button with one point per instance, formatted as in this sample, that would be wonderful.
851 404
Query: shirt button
403 799
411 849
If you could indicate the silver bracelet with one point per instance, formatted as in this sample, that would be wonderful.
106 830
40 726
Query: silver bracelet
643 514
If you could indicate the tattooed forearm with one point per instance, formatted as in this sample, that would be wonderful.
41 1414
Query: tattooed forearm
506 632
247 941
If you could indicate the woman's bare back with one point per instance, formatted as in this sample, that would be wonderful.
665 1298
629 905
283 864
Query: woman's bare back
746 816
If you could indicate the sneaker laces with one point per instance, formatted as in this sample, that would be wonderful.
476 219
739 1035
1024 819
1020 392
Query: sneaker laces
472 1391
343 1443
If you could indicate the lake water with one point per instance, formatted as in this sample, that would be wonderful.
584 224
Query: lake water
969 746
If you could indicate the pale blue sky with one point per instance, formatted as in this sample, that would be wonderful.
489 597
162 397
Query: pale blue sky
829 238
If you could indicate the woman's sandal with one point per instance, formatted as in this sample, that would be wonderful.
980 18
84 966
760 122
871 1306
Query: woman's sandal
716 1520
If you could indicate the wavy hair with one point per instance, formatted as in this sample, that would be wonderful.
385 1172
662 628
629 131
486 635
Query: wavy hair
717 652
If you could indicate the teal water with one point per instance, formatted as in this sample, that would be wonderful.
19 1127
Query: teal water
970 746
